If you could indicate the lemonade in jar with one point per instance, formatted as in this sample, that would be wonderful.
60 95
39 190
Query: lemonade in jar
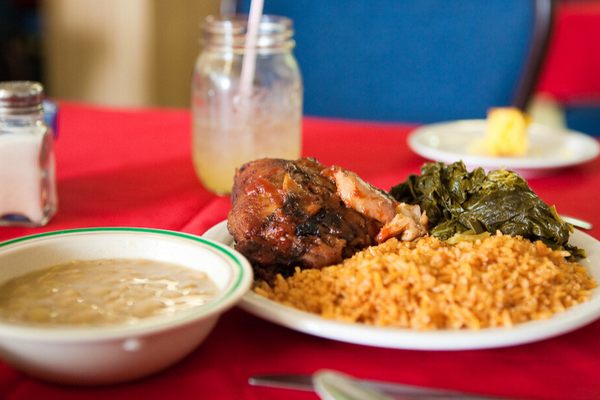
230 128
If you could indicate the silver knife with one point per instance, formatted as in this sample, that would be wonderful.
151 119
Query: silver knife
397 390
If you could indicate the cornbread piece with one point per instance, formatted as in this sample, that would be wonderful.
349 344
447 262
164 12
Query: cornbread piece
506 132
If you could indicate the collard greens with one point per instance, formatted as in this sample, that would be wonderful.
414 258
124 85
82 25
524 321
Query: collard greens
459 201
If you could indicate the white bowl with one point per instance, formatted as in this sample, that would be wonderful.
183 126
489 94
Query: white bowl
117 353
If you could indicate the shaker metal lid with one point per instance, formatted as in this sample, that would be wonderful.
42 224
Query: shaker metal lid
20 97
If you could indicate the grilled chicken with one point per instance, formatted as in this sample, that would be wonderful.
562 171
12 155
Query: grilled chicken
400 220
301 213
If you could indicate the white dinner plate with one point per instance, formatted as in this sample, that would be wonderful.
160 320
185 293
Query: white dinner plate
549 148
402 338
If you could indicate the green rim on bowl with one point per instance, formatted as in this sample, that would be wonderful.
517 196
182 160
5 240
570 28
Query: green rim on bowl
224 250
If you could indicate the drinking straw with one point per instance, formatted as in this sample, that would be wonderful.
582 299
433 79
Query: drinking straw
249 61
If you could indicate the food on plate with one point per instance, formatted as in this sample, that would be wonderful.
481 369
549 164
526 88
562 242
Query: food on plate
506 132
449 249
103 292
301 213
494 281
457 201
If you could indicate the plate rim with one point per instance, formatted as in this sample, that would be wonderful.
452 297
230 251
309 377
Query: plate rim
407 339
415 143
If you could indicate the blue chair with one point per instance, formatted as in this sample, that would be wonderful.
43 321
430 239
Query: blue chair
584 117
415 60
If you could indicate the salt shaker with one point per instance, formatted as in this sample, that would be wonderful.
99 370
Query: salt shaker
27 173
228 129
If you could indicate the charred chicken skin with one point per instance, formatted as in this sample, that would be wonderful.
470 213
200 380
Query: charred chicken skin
301 213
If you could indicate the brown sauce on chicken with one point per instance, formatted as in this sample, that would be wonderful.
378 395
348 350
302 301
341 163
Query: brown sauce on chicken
301 213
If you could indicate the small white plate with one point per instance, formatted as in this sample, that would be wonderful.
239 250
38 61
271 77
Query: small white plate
400 338
549 148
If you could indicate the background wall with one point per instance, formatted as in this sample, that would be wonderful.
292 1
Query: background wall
122 53
20 55
141 53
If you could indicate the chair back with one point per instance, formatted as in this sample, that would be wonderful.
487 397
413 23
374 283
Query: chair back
415 60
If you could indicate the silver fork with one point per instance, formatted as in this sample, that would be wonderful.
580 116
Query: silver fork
576 222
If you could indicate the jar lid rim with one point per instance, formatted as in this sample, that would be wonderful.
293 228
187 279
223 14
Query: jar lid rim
237 24
21 95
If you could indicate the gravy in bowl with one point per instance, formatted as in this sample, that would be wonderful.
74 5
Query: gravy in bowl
103 292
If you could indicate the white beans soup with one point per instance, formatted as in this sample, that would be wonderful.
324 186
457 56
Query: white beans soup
103 292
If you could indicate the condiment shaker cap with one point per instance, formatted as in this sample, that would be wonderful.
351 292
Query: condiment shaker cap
20 97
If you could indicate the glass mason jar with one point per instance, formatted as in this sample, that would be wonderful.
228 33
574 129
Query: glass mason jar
230 128
27 178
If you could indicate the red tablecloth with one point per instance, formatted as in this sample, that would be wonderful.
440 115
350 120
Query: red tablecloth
134 168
